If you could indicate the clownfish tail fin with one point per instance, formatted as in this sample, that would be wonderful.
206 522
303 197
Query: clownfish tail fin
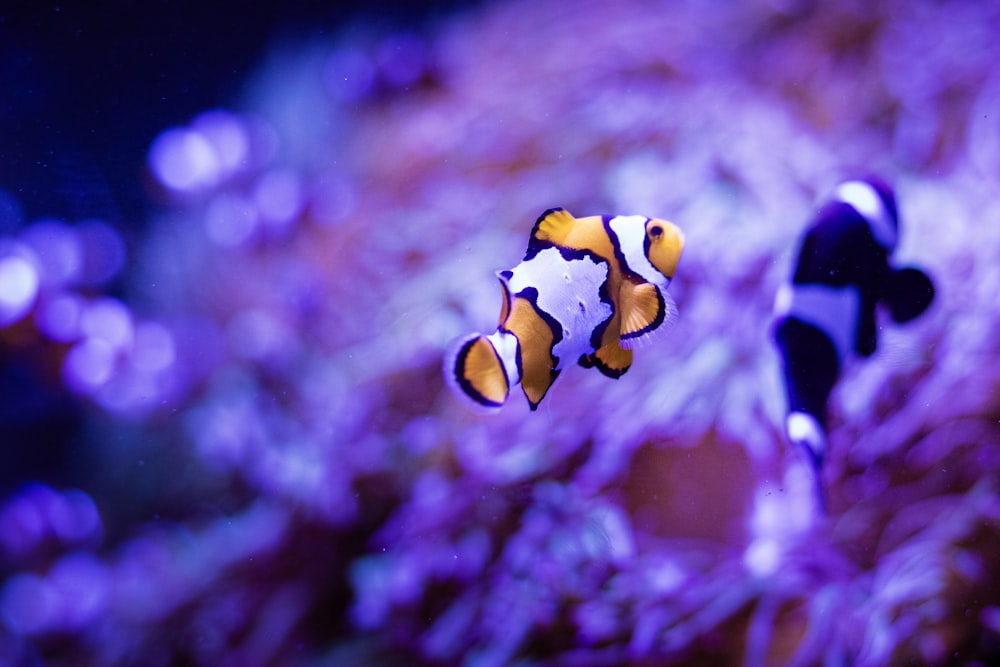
476 374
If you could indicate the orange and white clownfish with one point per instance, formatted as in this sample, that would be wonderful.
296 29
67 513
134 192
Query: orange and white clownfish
587 290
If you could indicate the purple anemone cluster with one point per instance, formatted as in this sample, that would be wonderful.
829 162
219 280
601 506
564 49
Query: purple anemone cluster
52 303
311 493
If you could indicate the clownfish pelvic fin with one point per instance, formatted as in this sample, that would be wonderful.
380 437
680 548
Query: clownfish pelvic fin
612 360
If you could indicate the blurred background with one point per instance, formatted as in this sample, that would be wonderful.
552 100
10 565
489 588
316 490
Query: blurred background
236 241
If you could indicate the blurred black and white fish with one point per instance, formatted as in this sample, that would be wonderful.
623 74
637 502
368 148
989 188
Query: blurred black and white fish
826 313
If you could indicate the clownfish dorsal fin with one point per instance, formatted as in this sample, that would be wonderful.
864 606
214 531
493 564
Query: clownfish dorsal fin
551 228
644 309
611 359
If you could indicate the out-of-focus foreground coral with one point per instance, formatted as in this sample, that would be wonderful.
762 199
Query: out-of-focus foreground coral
280 476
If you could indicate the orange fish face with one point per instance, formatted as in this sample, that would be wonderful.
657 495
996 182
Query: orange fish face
664 244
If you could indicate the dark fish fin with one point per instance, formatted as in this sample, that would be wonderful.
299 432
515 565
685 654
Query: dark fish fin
909 293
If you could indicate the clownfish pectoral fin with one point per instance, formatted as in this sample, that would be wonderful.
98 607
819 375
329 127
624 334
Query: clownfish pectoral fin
551 228
909 293
644 309
476 374
612 360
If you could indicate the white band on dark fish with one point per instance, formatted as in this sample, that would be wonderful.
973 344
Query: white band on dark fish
832 310
866 200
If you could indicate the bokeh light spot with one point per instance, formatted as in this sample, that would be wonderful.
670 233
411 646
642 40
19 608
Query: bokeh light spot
58 317
18 288
183 159
278 197
58 249
109 320
22 525
153 350
256 334
82 584
89 364
27 604
75 518
230 220
228 136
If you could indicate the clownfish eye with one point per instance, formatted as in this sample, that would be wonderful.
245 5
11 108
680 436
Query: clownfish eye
655 232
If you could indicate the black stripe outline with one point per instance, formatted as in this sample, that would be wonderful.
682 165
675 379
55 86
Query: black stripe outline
603 292
530 294
591 361
617 245
466 386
